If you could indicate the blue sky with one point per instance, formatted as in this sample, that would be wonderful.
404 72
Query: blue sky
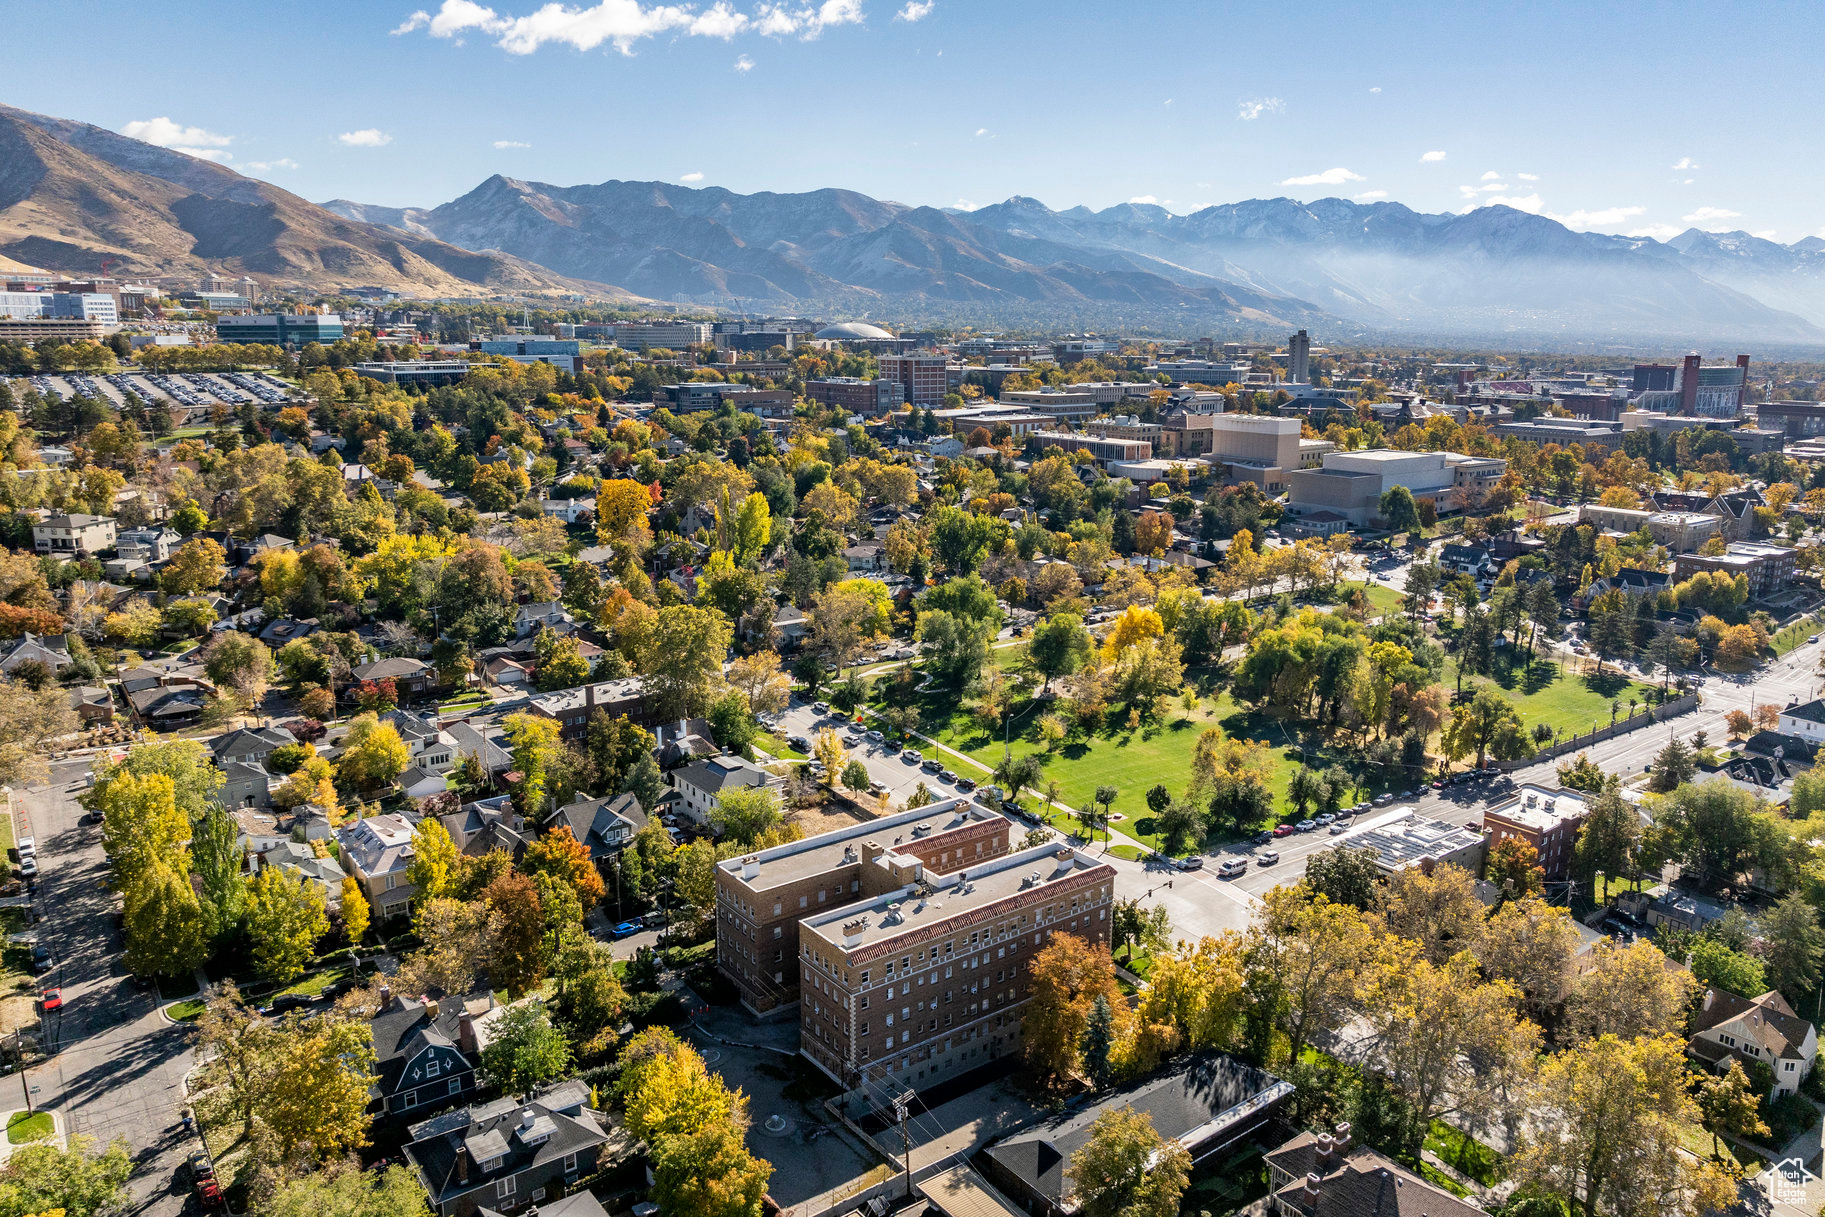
1618 117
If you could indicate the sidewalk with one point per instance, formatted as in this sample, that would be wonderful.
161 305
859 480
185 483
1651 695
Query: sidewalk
59 1137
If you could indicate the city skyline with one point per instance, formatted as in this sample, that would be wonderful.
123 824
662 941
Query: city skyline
933 103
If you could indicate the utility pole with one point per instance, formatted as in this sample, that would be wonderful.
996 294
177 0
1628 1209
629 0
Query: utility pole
900 1103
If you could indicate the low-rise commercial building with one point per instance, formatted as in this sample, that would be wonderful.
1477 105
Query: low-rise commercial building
1544 817
1769 568
425 373
1102 449
1414 840
573 707
1351 484
1062 405
565 354
1679 531
280 329
650 335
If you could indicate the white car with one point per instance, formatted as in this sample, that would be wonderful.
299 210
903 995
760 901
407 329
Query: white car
1229 868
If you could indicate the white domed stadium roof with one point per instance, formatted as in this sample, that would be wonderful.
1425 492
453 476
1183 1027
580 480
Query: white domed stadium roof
852 330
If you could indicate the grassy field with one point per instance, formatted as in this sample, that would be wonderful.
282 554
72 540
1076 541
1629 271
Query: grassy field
1568 702
1134 758
1383 601
1793 635
768 742
185 1011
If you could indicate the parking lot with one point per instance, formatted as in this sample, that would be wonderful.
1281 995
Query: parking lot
897 775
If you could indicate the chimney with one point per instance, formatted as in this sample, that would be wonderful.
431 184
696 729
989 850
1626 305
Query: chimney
1067 859
852 932
1710 996
872 850
1327 1154
386 995
1341 1139
750 866
589 699
465 1034
431 1008
462 1166
1310 1193
526 1117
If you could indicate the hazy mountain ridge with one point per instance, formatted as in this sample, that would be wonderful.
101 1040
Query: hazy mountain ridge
72 195
1373 266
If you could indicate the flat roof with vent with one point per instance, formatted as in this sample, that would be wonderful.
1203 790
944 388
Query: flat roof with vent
888 916
1542 808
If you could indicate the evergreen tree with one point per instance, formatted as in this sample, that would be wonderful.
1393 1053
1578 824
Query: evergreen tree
1099 1038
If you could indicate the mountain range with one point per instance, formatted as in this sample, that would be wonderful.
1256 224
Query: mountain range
73 196
1362 268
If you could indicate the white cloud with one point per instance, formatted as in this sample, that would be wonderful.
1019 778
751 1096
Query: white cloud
367 137
691 177
1659 232
1169 103
743 64
1711 215
1429 157
1369 196
1491 176
1688 182
966 205
1766 234
1250 110
1604 217
1528 177
511 143
1685 162
1330 177
192 141
914 10
1470 192
622 23
981 131
1374 88
284 162
1144 199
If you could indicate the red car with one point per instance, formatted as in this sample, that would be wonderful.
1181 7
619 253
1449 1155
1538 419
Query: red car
53 1000
1284 830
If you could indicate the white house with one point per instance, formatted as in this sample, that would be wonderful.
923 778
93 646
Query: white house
1761 1031
377 852
568 510
702 783
1806 720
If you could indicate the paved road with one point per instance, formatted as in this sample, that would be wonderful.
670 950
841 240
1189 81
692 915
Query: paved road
119 1065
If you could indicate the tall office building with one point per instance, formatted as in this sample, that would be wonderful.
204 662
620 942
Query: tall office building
924 379
1299 358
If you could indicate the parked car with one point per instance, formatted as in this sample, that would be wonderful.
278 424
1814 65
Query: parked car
1229 868
1339 828
1325 819
800 742
1283 830
876 736
822 707
1305 826
42 960
28 867
964 784
931 766
1267 857
27 847
200 1169
51 999
285 1003
1382 800
945 775
1263 837
627 929
912 754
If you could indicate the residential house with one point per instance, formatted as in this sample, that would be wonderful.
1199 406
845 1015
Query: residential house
411 677
246 784
377 852
93 704
677 742
166 707
702 783
486 825
573 707
1318 1174
1678 907
278 633
506 1154
431 747
790 627
51 650
425 1052
504 671
1754 1031
1206 1103
604 826
300 859
147 544
1631 581
249 744
420 783
73 535
470 739
548 614
571 511
869 555
1805 720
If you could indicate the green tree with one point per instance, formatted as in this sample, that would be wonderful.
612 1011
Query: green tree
348 1191
1347 876
645 782
535 743
855 775
80 1181
1126 1169
1713 963
525 1050
1792 944
1730 1106
167 931
743 815
1099 1038
682 658
1060 646
708 1172
1608 841
1488 721
516 934
432 868
1674 766
285 918
1399 510
215 856
372 754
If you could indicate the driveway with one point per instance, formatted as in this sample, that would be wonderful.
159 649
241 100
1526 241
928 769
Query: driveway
117 1066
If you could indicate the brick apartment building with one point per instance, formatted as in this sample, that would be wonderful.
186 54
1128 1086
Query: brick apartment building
923 379
871 397
1546 818
1769 568
908 961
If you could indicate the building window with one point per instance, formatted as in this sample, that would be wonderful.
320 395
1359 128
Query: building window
456 1086
570 1164
504 1188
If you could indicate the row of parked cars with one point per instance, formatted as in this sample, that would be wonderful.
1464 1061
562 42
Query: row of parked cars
854 736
